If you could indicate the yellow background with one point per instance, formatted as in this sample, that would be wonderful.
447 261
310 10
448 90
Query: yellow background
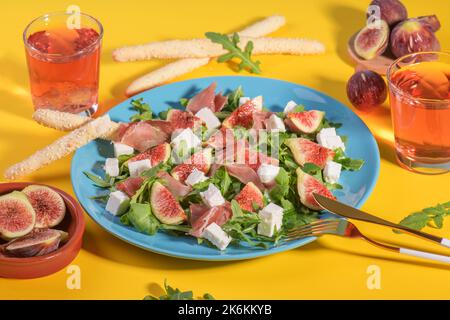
329 268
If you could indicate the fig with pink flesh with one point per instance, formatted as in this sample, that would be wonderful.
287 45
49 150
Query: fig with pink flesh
250 197
164 205
366 90
308 185
305 121
17 216
391 11
36 243
306 151
372 40
411 36
48 205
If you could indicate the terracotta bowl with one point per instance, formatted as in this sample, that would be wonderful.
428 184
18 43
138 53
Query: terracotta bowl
34 267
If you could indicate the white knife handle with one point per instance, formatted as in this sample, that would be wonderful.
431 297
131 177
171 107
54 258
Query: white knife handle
445 242
425 255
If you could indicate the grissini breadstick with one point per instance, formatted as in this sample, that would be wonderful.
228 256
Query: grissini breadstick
205 48
180 67
58 120
62 147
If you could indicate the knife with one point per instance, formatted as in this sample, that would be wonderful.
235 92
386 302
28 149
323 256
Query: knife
344 210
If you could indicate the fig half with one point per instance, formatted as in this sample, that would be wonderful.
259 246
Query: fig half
372 40
17 216
48 205
391 11
37 243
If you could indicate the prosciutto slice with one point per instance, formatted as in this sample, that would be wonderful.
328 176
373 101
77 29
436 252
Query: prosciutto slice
202 216
141 136
203 99
259 119
163 125
177 188
130 185
244 174
221 138
219 102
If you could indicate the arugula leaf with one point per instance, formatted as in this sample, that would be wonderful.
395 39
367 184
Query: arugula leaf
432 216
141 217
231 44
163 114
233 98
346 162
184 102
177 294
101 198
144 110
98 181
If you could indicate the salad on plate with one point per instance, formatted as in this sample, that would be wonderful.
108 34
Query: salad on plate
222 169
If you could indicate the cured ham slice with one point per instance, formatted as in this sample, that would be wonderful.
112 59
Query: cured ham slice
175 187
130 185
259 119
221 138
163 125
203 99
202 216
244 174
142 136
219 102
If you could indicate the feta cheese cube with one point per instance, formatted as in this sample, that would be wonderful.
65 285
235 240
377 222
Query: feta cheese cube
122 149
271 220
327 132
209 118
118 203
290 106
275 123
243 100
216 236
258 102
331 142
267 172
190 138
137 167
112 167
332 171
195 177
212 196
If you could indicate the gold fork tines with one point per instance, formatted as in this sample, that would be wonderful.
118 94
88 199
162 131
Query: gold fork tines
315 228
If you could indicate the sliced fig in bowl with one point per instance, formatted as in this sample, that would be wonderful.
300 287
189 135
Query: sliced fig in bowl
243 115
304 122
250 197
17 216
164 205
156 155
372 40
36 243
48 204
307 185
431 22
200 160
306 151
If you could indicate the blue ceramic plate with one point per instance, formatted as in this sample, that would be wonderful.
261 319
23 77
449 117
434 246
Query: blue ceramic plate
357 185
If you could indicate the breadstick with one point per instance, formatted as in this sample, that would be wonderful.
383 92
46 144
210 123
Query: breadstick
58 120
62 147
178 68
204 48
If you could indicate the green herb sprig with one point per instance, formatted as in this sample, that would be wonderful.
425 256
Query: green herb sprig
144 111
230 43
432 216
177 294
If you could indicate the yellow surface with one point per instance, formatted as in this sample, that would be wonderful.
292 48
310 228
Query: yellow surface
329 268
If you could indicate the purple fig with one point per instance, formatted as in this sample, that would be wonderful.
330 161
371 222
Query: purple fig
372 40
412 36
48 205
37 243
366 90
431 22
391 11
17 216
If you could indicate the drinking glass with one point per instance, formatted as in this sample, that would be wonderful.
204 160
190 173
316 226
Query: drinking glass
63 62
419 87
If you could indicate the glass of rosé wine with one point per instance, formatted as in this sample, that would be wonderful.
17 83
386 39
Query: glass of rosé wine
63 62
419 86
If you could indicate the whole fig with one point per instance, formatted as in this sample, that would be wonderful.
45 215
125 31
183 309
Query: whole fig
412 36
392 11
366 89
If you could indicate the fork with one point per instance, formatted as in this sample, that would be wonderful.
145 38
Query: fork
344 228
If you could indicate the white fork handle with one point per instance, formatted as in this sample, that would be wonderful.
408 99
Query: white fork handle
425 255
445 242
